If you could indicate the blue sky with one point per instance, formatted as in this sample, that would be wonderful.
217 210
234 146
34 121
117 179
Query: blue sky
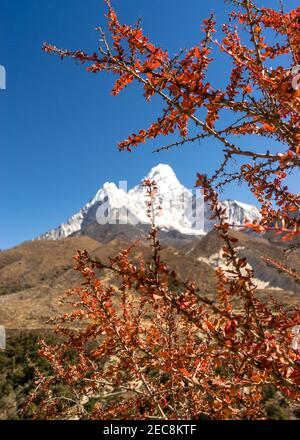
59 123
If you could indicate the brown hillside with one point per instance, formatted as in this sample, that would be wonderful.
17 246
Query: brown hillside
34 275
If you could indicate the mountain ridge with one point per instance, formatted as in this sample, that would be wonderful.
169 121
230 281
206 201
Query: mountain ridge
182 210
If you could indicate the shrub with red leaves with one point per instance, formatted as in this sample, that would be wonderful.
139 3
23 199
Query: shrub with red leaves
148 345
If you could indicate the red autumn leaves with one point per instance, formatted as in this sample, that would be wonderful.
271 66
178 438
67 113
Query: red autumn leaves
158 344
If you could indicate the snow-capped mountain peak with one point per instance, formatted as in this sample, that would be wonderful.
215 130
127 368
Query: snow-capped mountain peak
162 173
182 210
165 179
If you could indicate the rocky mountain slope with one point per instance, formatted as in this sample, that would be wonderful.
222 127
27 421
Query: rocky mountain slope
34 275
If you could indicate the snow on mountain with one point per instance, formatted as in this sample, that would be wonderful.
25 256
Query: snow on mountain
182 209
179 207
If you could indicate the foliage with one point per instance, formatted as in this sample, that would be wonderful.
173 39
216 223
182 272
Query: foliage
16 373
173 353
165 352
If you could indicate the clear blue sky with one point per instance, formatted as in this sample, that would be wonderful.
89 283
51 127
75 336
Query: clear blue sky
59 124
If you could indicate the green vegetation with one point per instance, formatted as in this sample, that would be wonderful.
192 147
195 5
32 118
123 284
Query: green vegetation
16 375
